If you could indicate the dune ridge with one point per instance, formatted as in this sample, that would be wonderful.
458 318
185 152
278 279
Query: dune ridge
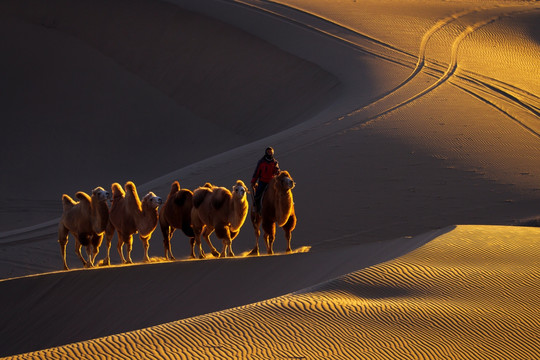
438 301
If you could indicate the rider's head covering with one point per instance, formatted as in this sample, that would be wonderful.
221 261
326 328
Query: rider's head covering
269 153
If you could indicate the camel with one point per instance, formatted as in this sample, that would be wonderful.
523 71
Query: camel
129 215
86 220
277 208
216 208
176 214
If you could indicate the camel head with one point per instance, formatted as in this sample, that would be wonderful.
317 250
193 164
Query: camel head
285 181
239 189
101 194
152 200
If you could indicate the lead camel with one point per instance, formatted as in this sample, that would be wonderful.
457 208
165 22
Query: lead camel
277 209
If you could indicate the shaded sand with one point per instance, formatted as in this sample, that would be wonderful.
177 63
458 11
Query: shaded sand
104 95
467 294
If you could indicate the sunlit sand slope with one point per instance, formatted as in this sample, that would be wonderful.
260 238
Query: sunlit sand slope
468 294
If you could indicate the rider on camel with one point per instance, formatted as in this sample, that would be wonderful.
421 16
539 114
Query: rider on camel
266 169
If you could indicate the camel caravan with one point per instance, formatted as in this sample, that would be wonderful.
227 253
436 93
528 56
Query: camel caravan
202 212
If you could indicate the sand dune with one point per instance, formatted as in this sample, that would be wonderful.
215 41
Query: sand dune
468 294
397 119
141 295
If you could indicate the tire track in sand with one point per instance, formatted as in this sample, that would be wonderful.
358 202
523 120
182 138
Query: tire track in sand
399 96
450 71
360 41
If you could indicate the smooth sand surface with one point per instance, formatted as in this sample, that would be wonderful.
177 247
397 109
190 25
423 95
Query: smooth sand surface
396 119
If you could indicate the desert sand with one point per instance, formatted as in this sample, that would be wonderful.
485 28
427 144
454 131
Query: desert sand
412 131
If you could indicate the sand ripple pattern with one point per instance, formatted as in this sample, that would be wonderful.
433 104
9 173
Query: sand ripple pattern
471 293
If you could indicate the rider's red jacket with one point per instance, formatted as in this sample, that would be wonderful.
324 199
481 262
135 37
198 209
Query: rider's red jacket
265 170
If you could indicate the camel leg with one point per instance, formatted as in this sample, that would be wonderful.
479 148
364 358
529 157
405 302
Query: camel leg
88 249
231 253
227 245
146 244
78 247
167 232
202 254
288 228
95 252
129 247
256 222
269 236
225 235
233 235
288 235
267 243
168 251
271 239
206 235
121 240
196 240
120 249
192 242
109 233
63 234
96 243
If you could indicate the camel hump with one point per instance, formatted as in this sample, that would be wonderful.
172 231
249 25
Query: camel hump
117 190
221 195
182 196
67 202
132 196
130 187
199 195
131 190
83 197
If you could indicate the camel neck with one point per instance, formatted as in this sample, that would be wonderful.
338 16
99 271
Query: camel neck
240 210
100 215
147 219
284 205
